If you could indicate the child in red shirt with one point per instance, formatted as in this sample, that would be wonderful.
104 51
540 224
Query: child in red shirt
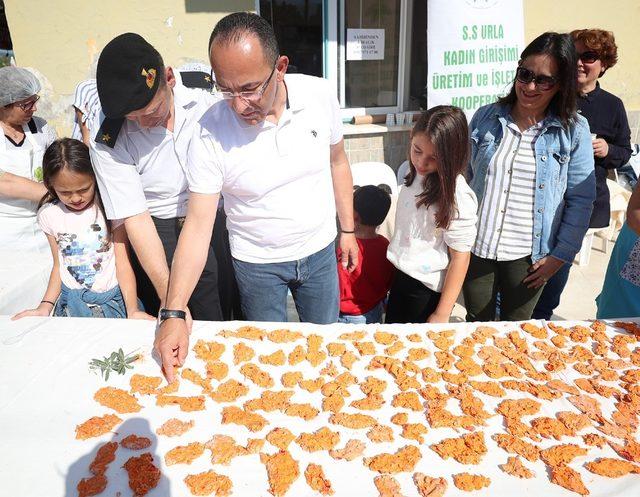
363 291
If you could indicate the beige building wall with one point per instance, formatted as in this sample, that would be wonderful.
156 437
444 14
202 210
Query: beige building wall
62 39
619 16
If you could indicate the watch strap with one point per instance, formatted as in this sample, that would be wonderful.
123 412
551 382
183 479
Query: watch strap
172 313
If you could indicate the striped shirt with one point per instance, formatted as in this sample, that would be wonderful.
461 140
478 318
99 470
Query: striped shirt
505 218
86 100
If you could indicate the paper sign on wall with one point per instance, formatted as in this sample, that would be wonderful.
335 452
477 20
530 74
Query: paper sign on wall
365 44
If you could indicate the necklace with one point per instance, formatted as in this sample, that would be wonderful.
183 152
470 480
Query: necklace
14 134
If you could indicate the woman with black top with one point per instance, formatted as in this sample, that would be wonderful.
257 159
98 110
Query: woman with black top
597 52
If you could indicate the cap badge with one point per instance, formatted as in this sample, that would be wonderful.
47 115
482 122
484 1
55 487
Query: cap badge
150 76
106 138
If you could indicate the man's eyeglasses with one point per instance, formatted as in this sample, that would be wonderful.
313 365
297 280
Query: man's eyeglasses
28 106
544 83
588 57
251 96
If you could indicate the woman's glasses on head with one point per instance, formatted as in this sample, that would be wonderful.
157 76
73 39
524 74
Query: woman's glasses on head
544 83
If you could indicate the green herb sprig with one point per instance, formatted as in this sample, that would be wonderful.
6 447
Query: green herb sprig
117 362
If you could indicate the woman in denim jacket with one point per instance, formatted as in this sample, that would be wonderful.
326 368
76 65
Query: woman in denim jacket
532 170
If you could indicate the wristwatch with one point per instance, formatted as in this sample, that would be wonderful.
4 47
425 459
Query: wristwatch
171 313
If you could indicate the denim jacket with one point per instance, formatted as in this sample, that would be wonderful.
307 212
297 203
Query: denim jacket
565 177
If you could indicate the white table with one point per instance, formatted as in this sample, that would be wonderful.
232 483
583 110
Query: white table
23 279
46 389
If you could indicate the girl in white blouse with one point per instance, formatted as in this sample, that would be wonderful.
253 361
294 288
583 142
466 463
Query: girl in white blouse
435 221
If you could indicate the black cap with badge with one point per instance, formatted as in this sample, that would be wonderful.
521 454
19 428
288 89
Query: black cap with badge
128 75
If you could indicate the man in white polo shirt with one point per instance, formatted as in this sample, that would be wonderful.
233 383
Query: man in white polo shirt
140 153
274 149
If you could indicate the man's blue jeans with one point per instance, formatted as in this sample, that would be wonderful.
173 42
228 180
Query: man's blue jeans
313 282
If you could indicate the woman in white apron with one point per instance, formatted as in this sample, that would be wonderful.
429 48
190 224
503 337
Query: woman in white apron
23 140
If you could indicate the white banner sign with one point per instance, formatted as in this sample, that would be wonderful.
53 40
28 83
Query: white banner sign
365 44
473 48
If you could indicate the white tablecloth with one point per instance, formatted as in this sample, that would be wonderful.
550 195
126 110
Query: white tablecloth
23 279
46 390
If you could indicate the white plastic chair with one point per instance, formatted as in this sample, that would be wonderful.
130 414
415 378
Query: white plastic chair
374 173
378 173
402 172
619 198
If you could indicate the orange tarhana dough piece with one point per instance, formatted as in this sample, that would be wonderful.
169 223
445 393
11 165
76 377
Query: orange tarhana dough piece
568 478
284 336
387 486
291 379
117 399
208 351
278 358
144 385
106 455
95 485
468 449
380 434
256 375
469 482
171 387
407 400
322 439
229 391
630 450
250 333
143 474
403 460
184 454
534 330
414 431
282 471
134 442
175 427
224 448
316 479
280 438
353 448
632 328
371 402
217 370
251 420
612 468
304 411
96 426
242 353
514 467
209 483
353 421
514 445
269 401
429 487
187 404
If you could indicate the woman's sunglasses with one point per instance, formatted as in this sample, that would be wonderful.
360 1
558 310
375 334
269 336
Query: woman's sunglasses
543 83
588 57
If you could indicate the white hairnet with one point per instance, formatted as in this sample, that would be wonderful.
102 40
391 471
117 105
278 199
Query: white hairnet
16 83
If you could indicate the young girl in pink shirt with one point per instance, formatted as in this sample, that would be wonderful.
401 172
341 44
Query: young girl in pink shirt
91 274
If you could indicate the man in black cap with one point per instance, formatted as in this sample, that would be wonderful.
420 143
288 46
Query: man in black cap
139 153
